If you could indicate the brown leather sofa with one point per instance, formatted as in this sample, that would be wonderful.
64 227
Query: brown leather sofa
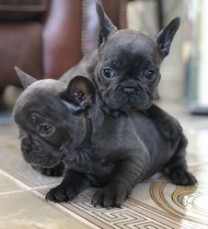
47 37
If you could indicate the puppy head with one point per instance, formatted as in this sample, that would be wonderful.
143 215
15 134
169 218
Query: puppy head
127 70
48 129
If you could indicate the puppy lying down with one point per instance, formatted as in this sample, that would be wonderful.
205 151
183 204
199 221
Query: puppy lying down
59 124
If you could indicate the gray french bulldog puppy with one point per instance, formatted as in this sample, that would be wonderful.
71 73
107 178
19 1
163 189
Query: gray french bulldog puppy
125 71
67 125
119 152
46 128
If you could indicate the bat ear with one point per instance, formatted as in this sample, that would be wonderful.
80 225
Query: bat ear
165 36
80 94
25 79
106 25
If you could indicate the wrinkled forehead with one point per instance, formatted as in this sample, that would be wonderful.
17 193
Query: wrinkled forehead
42 95
128 43
43 88
47 85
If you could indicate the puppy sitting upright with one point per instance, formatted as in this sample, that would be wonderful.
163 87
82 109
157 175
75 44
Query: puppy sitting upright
125 71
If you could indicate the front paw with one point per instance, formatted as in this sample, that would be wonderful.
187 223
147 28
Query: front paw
171 129
109 197
60 193
182 177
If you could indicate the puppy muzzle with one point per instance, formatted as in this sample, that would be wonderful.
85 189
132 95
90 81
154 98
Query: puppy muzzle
129 91
134 97
38 154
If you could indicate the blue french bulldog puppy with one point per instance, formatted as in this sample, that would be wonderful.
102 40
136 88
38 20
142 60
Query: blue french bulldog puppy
67 125
117 153
46 128
125 69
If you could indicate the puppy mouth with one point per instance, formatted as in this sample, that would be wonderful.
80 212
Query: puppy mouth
48 164
128 98
34 154
35 159
133 104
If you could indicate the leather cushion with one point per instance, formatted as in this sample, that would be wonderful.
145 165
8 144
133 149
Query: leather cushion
20 45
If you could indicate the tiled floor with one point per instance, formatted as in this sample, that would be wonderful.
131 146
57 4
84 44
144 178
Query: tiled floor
153 204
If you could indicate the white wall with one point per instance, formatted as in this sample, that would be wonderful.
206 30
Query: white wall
142 16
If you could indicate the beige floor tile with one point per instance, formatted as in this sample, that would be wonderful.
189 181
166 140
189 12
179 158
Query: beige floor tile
24 210
13 163
8 184
198 146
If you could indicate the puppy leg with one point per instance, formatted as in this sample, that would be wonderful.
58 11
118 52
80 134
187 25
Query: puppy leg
124 178
72 184
56 171
177 166
168 126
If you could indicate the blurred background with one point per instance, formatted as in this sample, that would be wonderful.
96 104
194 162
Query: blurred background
47 37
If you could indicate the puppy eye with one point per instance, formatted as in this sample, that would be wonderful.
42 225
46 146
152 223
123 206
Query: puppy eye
46 129
108 73
151 75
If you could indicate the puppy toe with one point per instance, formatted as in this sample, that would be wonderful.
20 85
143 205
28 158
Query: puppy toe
108 197
119 200
60 194
70 194
97 198
103 198
183 178
108 200
56 195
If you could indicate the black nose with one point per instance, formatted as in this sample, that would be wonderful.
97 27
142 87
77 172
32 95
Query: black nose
129 91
